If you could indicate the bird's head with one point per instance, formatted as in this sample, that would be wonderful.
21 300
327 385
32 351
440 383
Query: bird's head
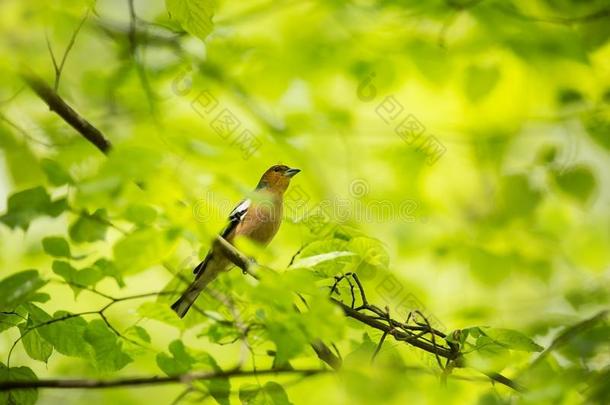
277 178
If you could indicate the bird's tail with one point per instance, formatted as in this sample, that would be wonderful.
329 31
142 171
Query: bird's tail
182 305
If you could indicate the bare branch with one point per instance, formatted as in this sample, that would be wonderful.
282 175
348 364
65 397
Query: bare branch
145 381
59 106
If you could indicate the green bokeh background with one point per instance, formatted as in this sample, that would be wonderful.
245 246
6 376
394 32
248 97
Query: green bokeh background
509 227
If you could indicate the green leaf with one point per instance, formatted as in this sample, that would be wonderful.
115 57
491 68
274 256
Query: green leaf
371 257
518 198
511 339
139 250
479 81
220 332
88 276
19 288
195 16
108 353
598 127
160 312
179 362
578 182
109 269
56 246
140 214
12 318
311 261
328 262
56 174
89 227
271 393
24 206
136 341
64 331
35 346
27 396
183 360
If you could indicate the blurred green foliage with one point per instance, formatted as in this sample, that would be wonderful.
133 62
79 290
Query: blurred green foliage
454 155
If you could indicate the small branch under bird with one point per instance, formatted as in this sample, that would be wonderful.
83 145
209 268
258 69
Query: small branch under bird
257 218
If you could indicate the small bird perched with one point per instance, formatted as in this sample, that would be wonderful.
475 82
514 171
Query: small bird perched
257 218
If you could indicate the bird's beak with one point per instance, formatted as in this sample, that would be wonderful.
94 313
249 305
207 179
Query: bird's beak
291 172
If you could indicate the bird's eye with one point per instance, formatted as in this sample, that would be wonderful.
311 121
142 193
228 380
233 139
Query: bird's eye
277 169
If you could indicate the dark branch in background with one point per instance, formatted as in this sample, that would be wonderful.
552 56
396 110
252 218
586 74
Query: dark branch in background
143 381
67 113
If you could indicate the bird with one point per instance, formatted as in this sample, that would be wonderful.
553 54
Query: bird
257 218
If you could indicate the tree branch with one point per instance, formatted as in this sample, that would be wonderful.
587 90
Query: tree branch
61 108
143 381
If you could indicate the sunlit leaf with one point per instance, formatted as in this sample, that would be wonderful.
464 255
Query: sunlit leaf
56 246
160 312
89 227
194 16
25 206
35 346
19 288
63 330
56 174
108 353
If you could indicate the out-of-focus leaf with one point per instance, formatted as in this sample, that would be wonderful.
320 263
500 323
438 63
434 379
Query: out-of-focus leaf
139 250
109 269
86 277
578 182
108 353
160 312
25 206
193 15
182 360
27 396
598 128
56 174
89 227
371 257
518 198
479 81
271 393
56 246
568 96
19 288
221 333
140 214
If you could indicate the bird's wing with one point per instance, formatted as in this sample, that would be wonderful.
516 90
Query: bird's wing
235 217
